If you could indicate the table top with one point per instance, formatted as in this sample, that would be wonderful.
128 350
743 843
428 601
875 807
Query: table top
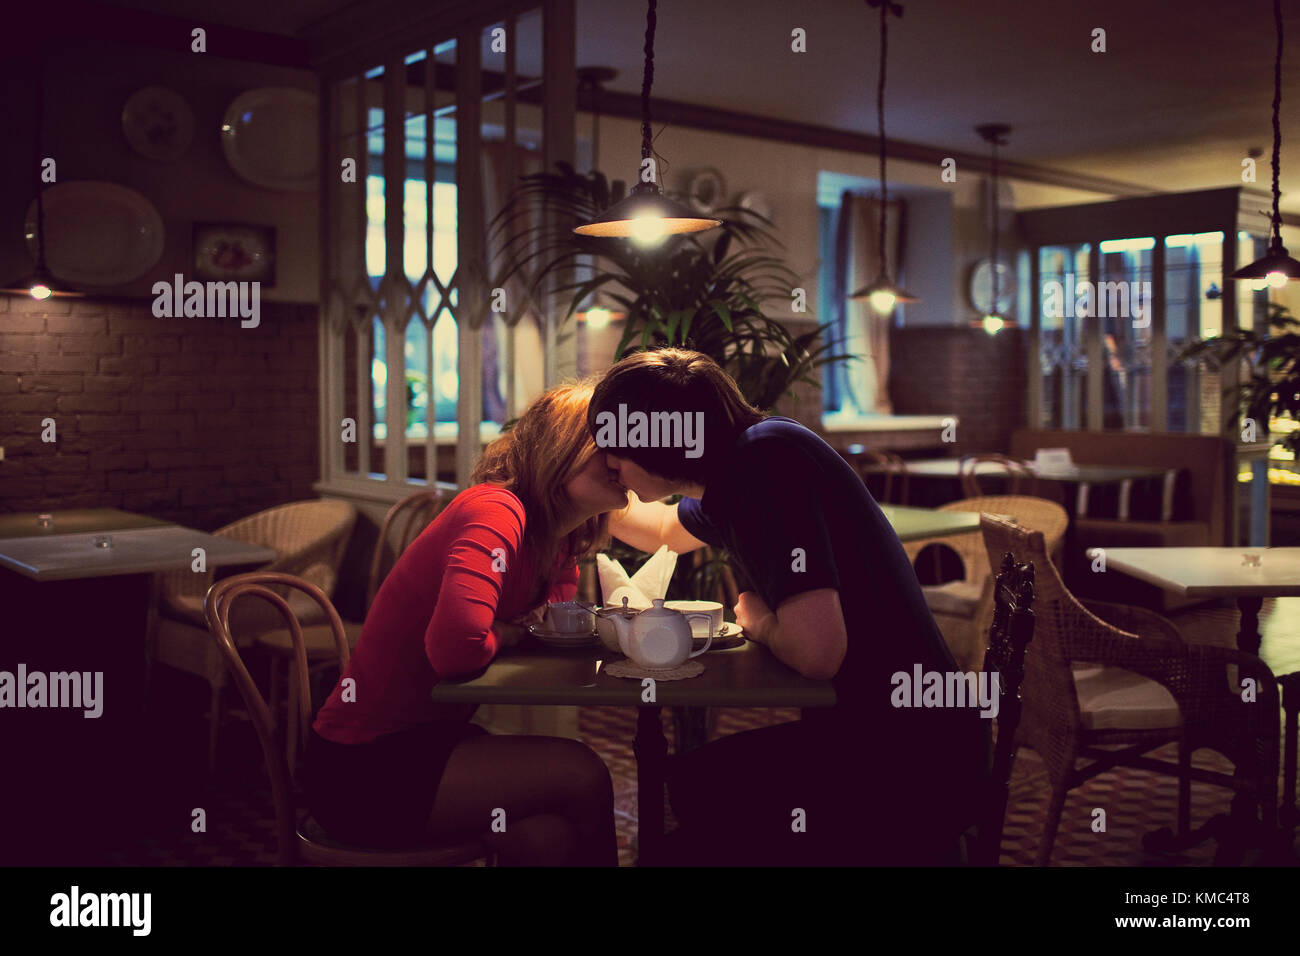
913 524
1075 474
75 521
1212 572
63 557
745 676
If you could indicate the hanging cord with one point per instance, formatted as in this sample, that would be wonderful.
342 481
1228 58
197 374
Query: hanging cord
647 79
993 309
880 128
36 159
1277 128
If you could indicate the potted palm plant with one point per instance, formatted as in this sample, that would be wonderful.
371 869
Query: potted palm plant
1271 389
708 292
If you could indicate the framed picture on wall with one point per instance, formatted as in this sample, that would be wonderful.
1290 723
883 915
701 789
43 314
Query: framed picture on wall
237 252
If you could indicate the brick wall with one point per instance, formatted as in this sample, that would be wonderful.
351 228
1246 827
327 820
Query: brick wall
964 371
196 421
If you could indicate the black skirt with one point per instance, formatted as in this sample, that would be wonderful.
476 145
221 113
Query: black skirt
380 794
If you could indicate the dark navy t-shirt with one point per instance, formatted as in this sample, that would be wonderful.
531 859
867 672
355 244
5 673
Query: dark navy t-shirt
795 517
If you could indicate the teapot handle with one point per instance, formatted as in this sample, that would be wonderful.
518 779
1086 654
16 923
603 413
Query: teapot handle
709 640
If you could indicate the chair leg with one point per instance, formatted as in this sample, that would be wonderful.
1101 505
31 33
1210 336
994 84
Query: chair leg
214 723
275 691
291 725
1049 828
1184 790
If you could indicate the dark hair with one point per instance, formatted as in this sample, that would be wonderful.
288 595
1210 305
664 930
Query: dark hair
668 381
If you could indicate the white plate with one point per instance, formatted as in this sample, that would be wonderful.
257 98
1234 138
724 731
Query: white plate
271 139
557 639
158 123
99 234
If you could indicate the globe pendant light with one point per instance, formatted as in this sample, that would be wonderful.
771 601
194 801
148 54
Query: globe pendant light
881 292
994 321
600 311
646 216
40 282
1277 266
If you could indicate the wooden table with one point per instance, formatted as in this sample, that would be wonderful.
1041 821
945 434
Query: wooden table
745 676
69 606
1223 572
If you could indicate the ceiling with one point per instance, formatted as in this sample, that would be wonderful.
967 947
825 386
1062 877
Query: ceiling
1179 97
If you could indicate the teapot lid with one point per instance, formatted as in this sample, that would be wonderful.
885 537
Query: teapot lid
659 610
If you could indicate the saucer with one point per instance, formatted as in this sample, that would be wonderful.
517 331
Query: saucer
729 635
562 638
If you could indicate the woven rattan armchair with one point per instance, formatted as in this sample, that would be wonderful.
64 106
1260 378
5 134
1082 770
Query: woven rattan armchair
1102 675
309 538
963 609
302 840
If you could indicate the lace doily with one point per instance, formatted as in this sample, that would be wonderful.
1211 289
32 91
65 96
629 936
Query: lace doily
629 668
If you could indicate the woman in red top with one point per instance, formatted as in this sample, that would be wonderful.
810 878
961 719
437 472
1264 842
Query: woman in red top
385 766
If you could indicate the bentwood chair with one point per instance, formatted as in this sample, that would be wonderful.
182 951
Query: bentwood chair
409 517
1105 676
1009 636
963 608
873 463
300 838
1018 474
309 538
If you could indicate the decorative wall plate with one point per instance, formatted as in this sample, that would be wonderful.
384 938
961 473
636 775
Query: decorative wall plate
705 189
97 234
225 251
271 139
158 123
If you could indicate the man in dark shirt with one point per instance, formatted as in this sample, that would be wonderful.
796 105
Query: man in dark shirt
832 595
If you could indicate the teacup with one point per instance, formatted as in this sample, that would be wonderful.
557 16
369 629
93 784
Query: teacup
699 626
570 617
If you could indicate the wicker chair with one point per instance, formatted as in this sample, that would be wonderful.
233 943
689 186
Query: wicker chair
413 514
301 839
872 463
1016 471
1106 675
309 537
963 609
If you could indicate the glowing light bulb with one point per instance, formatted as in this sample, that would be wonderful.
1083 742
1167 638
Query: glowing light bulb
647 229
597 318
1257 285
882 300
993 324
40 291
1276 279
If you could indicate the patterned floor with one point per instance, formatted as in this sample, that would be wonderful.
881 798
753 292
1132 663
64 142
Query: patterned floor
239 812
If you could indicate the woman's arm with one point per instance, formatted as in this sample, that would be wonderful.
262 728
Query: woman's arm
648 525
461 637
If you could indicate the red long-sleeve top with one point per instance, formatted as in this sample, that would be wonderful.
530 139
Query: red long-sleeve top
433 617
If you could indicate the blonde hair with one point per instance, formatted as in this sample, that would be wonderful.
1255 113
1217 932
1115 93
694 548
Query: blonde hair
545 447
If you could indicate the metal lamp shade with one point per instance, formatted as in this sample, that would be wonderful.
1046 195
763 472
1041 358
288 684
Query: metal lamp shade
39 277
646 204
1276 260
884 284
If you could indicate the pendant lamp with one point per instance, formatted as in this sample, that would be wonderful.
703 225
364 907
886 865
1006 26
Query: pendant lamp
646 216
1276 266
881 291
40 283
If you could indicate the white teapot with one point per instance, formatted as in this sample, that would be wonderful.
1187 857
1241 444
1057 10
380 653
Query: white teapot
659 638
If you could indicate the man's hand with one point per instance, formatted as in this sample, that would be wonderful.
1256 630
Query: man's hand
755 617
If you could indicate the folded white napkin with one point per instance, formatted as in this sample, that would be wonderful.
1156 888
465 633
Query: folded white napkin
650 582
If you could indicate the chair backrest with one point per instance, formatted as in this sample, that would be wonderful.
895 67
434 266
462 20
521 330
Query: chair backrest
1034 514
1009 637
1017 473
872 462
410 517
216 609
